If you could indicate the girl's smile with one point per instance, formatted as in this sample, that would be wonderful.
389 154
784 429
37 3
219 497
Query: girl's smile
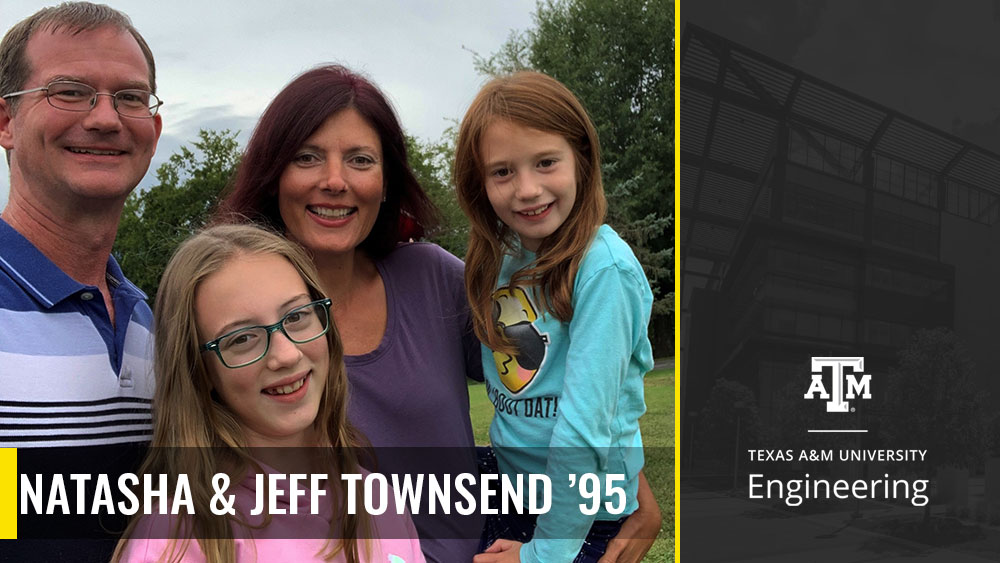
530 179
276 398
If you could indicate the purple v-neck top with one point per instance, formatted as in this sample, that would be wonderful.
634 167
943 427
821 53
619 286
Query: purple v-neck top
412 390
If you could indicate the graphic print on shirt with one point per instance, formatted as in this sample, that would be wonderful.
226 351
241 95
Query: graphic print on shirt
515 313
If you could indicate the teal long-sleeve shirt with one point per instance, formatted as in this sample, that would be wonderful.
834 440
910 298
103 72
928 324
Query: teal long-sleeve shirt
570 402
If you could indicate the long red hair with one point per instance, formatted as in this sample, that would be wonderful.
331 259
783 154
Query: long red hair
537 101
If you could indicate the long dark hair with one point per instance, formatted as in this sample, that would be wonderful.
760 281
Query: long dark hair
295 114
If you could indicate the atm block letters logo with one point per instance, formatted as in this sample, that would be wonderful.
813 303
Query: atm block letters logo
843 385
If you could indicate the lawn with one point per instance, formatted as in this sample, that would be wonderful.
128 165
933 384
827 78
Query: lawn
657 436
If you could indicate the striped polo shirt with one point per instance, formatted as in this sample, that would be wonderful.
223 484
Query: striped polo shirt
68 377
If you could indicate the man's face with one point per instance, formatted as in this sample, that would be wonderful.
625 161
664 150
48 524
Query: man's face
63 159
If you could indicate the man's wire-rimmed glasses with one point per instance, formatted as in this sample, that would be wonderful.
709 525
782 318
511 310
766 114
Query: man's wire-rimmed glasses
75 96
247 345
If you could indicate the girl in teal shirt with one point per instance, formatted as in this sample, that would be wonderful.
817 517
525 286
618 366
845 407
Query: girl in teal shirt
562 307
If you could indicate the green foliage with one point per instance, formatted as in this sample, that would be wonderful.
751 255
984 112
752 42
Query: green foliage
432 165
617 57
933 402
731 410
155 221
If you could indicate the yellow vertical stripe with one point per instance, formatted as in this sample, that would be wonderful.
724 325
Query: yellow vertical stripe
8 493
677 281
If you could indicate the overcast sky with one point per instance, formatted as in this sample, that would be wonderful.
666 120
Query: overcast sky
219 62
936 61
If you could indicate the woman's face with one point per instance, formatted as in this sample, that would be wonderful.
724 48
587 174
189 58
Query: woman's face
276 398
329 194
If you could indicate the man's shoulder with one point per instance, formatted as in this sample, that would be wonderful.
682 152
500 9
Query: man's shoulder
13 295
27 276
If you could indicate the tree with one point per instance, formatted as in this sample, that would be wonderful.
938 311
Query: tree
617 57
432 165
932 403
730 415
155 221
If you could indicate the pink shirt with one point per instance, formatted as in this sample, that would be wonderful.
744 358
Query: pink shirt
400 543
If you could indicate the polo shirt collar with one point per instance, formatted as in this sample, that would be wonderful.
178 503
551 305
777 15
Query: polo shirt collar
42 279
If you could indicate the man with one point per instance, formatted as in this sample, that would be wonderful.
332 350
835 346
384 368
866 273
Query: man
79 123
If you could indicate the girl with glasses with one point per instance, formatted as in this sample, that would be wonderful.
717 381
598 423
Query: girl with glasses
250 380
327 167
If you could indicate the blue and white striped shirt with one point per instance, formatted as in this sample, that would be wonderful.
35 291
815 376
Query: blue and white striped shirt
68 377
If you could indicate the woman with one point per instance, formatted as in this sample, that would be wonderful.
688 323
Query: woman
327 166
247 362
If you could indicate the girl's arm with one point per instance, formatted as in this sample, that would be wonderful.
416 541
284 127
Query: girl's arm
454 274
600 403
473 349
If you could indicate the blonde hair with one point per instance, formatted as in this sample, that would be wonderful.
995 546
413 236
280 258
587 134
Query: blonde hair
537 101
194 433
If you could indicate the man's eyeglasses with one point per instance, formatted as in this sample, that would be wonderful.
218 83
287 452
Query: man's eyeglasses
245 346
74 96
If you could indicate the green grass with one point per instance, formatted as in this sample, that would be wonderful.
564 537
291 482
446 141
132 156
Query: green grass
657 427
657 435
481 412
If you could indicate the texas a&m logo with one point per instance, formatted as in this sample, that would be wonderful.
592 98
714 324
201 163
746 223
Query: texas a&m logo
843 385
